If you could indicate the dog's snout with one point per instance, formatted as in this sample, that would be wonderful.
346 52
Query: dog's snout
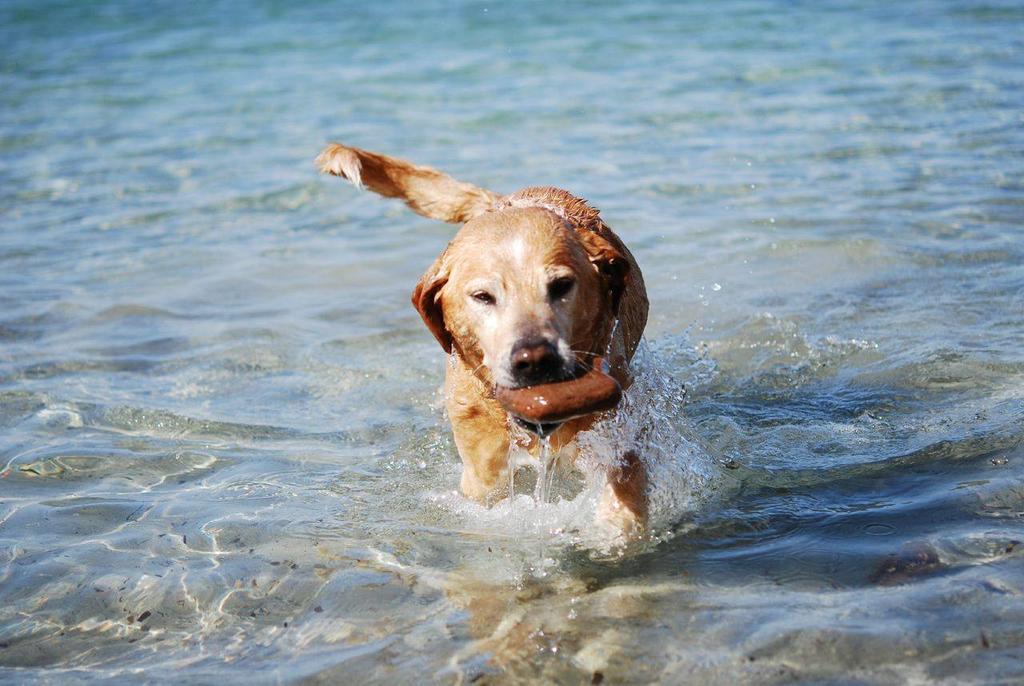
535 361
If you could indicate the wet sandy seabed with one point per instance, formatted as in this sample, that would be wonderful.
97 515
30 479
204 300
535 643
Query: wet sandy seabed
220 448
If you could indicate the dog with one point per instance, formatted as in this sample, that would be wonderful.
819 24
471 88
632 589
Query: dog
533 285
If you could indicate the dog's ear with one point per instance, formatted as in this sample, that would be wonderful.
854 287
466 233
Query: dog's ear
426 191
609 261
426 298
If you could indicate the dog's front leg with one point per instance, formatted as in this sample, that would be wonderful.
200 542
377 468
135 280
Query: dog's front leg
482 440
481 434
624 501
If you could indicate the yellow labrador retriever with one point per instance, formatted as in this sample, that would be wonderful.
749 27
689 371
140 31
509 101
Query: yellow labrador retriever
532 285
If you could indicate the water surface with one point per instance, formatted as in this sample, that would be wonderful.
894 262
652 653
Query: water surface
220 442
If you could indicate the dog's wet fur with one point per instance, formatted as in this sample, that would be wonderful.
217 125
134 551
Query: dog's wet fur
530 288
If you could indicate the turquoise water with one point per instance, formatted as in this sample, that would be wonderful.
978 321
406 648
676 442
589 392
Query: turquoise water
220 442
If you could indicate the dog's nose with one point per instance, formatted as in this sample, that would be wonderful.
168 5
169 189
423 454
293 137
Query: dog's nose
535 361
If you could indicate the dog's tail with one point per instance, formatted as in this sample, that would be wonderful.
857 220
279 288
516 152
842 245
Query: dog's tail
426 191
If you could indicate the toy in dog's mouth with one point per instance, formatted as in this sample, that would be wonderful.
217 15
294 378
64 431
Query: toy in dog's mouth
544 407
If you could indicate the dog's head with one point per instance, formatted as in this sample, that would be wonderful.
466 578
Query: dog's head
519 294
529 283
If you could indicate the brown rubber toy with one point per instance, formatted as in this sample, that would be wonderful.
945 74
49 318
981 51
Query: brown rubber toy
561 401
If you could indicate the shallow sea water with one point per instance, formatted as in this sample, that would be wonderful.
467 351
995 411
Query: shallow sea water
222 457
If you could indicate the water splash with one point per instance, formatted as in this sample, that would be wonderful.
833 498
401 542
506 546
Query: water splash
611 339
563 508
683 475
545 471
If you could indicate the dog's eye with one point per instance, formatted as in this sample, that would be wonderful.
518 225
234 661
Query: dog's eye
483 297
560 287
